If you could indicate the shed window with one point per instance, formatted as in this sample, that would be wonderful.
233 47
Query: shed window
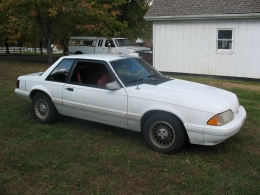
225 40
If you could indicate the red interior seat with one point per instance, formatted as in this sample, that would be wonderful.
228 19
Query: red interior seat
105 79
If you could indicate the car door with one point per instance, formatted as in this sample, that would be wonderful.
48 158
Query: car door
84 96
56 80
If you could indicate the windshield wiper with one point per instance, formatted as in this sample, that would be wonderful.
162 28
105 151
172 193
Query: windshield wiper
133 80
152 76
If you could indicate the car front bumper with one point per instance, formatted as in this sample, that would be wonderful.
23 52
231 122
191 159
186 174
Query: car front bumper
214 135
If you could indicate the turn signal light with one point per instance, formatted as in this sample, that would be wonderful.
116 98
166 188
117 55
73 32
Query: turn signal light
213 121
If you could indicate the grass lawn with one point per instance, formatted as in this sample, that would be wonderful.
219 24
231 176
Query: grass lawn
74 156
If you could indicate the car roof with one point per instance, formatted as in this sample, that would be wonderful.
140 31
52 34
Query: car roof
104 57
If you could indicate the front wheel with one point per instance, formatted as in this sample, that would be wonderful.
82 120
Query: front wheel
164 133
43 109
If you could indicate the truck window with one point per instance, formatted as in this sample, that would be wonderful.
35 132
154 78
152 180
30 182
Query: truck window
100 43
88 43
111 42
123 42
75 42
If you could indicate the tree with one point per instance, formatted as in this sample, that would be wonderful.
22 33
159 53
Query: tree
55 18
97 19
3 27
133 12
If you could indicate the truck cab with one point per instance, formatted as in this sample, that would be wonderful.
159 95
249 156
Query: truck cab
103 45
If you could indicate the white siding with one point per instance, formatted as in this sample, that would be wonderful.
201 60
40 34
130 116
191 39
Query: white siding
212 49
190 47
256 52
205 49
180 43
186 46
174 45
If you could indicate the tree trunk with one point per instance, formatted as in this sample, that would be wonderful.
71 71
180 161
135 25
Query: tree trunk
34 46
20 44
64 48
6 45
41 44
49 51
64 44
47 36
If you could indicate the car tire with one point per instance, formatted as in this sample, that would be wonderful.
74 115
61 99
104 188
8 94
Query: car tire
78 52
164 133
43 109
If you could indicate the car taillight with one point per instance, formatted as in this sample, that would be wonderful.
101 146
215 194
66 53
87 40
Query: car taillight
17 84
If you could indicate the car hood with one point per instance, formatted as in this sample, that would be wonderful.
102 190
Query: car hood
188 94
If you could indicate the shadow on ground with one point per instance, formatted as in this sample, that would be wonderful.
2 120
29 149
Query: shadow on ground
28 58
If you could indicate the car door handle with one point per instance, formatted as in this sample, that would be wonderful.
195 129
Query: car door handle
69 89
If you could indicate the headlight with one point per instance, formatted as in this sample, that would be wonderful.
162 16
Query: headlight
221 119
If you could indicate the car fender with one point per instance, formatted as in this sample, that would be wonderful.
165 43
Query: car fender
178 112
57 101
39 88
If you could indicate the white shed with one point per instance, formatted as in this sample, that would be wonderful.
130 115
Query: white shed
211 37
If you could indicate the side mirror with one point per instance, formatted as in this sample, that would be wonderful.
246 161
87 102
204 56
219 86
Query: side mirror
113 86
134 54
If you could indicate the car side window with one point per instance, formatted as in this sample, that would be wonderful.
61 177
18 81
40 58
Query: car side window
60 73
94 74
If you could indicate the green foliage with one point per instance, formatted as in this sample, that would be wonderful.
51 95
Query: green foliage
55 21
132 12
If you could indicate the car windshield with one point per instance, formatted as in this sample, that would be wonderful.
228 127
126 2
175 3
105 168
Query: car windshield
133 70
123 42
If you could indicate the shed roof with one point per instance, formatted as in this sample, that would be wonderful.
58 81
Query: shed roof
164 8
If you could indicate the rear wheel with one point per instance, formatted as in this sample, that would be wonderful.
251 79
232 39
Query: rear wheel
78 52
43 109
164 133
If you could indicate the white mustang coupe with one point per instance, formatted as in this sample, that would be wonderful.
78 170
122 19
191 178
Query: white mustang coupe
126 92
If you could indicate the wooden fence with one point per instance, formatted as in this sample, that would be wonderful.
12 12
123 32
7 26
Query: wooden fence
12 50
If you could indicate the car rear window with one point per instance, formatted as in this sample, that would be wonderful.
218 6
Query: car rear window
60 73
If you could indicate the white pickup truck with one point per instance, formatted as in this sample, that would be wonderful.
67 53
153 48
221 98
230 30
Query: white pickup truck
103 45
